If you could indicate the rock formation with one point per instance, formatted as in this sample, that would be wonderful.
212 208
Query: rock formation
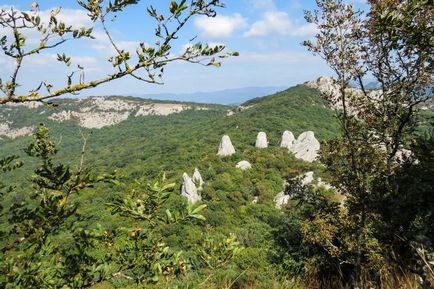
197 179
12 133
306 147
99 112
226 148
243 165
261 140
329 87
281 199
325 185
307 178
287 139
189 189
161 109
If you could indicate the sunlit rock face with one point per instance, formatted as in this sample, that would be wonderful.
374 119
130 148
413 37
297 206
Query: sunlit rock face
287 139
261 140
189 190
226 148
306 147
12 133
281 199
197 179
307 178
243 165
99 112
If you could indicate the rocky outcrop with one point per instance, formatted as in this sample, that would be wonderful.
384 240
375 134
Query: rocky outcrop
281 199
30 105
261 140
226 148
161 109
98 112
321 183
287 139
307 178
197 179
12 133
189 189
243 165
255 200
306 147
325 84
329 88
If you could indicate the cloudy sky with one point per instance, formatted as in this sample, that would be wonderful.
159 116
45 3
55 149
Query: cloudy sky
266 33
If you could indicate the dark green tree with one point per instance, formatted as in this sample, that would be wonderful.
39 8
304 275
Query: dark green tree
391 43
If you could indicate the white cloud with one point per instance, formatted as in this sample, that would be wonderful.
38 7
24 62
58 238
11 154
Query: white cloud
220 26
72 17
276 57
263 4
102 43
49 61
278 23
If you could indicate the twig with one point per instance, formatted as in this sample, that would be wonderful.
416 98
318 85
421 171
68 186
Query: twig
83 149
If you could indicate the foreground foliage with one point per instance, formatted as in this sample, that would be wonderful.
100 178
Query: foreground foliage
46 248
378 230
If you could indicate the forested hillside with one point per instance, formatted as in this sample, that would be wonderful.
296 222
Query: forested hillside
239 202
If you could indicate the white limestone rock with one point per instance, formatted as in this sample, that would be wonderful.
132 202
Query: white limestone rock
321 183
325 84
306 147
307 178
197 179
243 165
92 119
287 139
12 133
255 200
101 119
261 140
161 109
226 148
189 189
281 199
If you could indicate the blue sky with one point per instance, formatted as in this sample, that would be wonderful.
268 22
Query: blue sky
266 33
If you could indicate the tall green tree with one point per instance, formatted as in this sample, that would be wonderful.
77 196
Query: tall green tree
392 44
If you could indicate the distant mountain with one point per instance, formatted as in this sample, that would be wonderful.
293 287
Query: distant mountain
227 96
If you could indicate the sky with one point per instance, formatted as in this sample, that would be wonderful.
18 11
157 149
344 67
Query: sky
266 33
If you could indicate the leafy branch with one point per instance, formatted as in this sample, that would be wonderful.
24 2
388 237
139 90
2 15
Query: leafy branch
146 65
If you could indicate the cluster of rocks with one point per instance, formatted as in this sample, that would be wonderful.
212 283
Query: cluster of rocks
162 109
282 198
305 147
329 88
191 186
12 133
91 120
98 112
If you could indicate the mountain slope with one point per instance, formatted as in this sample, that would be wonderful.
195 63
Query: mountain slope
142 146
180 139
228 96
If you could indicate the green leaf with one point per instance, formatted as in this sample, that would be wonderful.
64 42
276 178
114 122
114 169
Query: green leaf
233 53
199 209
199 217
173 7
